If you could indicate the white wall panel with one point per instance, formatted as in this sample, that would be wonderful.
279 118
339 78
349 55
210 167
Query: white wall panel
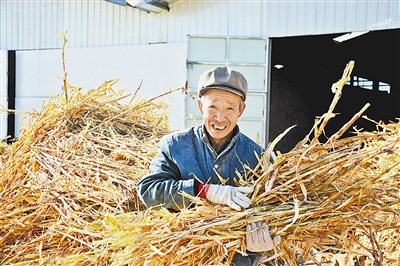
331 17
3 73
272 25
292 25
35 24
310 21
361 15
38 73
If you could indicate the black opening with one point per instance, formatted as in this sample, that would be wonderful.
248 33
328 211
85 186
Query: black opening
301 90
11 96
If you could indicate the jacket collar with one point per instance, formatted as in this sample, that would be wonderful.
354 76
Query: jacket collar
233 137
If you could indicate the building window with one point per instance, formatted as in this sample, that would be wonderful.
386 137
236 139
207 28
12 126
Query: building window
363 83
382 86
367 84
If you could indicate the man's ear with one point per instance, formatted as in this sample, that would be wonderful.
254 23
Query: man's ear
200 104
242 107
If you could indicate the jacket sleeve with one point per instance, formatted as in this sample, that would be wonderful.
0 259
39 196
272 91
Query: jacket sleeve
163 185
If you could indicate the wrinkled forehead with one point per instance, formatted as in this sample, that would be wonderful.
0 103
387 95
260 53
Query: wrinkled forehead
222 96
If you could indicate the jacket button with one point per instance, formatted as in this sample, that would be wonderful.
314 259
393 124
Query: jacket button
216 166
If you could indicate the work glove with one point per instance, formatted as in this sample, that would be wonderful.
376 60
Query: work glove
258 238
234 197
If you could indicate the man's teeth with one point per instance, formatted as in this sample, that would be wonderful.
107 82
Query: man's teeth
219 128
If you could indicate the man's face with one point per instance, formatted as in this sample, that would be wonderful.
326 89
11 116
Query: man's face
221 110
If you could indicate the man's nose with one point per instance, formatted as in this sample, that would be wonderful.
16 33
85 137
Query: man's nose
219 115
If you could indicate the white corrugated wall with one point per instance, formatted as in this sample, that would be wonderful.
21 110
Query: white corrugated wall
34 24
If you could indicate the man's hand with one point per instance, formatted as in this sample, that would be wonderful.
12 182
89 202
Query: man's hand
258 238
234 197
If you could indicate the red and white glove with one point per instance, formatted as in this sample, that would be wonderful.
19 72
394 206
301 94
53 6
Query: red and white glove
234 197
258 238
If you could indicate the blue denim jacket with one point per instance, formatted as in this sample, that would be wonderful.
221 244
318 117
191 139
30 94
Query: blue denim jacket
187 155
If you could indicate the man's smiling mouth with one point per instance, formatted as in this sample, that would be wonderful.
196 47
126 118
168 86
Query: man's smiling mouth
219 128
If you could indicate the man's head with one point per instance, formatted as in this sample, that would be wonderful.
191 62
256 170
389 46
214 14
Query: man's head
223 78
221 101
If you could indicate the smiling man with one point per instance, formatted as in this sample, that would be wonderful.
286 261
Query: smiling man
192 160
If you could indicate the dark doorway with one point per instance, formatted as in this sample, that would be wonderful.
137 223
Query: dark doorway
301 90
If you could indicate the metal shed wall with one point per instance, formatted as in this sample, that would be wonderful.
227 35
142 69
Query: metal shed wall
34 24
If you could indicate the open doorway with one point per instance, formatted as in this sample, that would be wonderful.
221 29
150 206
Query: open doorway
301 89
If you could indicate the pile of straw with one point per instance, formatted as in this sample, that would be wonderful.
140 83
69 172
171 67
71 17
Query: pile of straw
78 159
67 187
